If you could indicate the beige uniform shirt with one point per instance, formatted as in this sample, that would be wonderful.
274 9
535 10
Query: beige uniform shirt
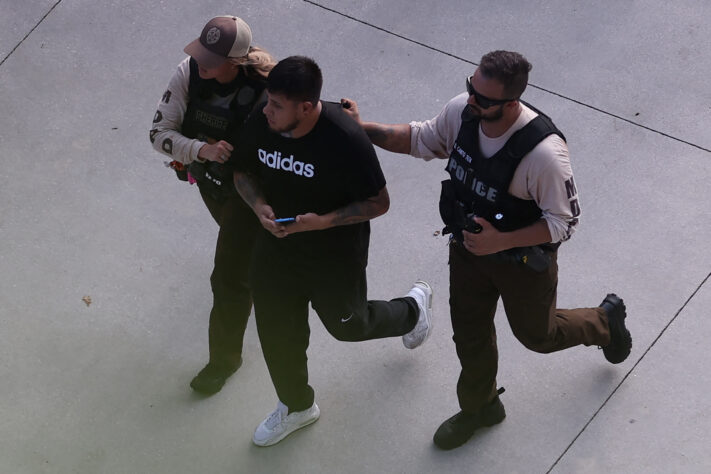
544 174
166 135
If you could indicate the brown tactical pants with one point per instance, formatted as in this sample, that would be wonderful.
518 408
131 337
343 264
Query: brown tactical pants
530 302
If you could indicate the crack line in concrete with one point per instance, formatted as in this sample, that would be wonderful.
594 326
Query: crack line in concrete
628 373
29 33
531 85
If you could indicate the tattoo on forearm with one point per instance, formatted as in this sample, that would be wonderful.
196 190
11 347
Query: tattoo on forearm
389 137
248 189
379 136
356 212
362 211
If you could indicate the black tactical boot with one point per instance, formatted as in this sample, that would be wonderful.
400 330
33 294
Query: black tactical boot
620 339
212 377
457 430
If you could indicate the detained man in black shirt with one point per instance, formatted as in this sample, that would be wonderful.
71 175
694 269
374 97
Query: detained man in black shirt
313 179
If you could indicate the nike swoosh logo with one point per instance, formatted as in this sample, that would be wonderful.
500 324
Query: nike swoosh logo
345 320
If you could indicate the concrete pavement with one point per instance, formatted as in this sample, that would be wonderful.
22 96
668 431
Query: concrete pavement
88 210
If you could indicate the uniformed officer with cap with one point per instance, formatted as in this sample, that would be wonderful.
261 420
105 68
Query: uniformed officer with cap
209 97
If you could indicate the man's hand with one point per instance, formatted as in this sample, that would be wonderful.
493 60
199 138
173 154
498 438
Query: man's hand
219 151
353 213
486 242
395 138
306 223
350 107
490 240
265 214
302 223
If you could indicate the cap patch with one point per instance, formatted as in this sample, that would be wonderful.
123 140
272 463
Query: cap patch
213 35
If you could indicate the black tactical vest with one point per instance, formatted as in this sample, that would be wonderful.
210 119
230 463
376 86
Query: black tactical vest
479 186
210 123
204 121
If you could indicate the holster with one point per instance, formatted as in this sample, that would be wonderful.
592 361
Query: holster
180 170
452 211
456 215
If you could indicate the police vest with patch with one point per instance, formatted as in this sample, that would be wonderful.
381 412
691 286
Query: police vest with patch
213 123
479 185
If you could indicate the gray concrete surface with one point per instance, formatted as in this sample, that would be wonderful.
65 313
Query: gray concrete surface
89 210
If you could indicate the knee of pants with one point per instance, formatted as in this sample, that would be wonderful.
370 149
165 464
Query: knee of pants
477 352
542 345
226 277
348 331
239 300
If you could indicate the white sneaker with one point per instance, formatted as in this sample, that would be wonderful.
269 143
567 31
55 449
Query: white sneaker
279 424
422 293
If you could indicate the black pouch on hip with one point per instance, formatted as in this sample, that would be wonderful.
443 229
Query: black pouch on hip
213 178
533 257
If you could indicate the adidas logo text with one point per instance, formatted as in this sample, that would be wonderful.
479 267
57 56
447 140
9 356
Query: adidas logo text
276 161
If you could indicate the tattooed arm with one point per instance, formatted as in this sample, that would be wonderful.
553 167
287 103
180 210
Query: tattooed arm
360 211
248 188
353 213
395 138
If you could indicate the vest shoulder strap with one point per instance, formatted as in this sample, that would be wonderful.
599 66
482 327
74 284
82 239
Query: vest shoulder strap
194 80
197 88
526 139
547 120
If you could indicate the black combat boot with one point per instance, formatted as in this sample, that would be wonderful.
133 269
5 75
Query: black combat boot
457 430
620 339
212 377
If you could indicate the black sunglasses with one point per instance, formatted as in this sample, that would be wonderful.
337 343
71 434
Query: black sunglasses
483 101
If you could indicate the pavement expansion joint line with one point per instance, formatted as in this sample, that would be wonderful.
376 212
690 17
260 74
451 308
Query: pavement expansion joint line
30 32
454 56
654 342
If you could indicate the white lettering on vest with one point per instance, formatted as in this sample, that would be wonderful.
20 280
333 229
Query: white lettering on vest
484 191
478 187
462 153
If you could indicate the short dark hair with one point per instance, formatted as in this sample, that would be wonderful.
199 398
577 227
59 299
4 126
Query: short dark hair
509 68
298 78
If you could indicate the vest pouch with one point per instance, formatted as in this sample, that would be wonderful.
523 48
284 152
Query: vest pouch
180 170
214 178
533 257
182 174
536 258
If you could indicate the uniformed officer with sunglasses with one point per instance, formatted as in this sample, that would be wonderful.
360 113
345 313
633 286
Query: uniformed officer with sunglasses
509 203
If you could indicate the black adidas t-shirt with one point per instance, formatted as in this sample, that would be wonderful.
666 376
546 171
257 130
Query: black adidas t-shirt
333 165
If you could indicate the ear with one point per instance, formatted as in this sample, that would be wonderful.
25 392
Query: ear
306 107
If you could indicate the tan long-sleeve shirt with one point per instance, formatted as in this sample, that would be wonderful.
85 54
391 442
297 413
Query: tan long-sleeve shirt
544 174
